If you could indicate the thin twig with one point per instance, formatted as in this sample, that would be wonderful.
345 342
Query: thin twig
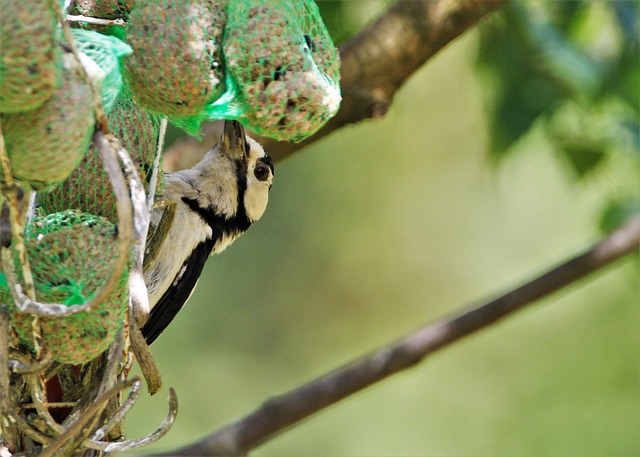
39 366
138 297
139 300
25 427
10 191
75 428
125 213
283 411
113 363
155 170
119 415
162 430
50 405
94 20
7 427
39 398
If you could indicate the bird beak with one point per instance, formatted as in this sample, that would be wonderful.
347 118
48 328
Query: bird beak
234 140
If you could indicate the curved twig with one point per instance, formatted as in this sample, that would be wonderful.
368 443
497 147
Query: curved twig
125 213
281 412
26 428
120 413
95 408
39 398
138 297
151 438
39 366
114 362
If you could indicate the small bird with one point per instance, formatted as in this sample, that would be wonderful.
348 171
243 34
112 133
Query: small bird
216 201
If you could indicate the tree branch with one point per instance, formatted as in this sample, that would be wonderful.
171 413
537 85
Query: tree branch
281 412
375 64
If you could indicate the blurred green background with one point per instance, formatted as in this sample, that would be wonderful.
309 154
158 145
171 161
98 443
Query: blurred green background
385 226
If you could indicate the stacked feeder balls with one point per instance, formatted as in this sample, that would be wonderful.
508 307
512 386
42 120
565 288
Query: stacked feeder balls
270 64
47 122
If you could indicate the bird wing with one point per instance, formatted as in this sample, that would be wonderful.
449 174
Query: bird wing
178 293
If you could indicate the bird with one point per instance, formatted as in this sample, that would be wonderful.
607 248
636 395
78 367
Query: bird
216 201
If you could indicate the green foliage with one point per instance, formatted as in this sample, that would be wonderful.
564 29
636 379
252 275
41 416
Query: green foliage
335 17
571 69
618 212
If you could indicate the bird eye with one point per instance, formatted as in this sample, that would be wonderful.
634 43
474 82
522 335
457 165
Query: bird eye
261 173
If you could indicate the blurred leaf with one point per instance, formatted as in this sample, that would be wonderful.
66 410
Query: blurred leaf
623 80
585 134
583 157
560 59
336 20
521 92
618 212
630 129
628 15
573 65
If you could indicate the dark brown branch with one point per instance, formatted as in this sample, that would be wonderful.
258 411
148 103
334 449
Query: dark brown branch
281 412
375 63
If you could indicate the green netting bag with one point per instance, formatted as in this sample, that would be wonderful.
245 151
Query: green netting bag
71 256
284 68
29 60
177 66
47 143
103 9
106 51
88 188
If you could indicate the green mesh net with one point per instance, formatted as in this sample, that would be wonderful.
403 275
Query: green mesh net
88 188
284 66
269 63
177 66
103 9
29 60
106 51
47 143
71 256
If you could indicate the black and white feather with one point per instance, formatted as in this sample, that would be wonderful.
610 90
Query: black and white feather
216 201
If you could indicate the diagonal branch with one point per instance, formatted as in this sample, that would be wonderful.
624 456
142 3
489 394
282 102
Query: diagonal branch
281 412
375 64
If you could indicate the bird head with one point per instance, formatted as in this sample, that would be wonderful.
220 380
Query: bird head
236 175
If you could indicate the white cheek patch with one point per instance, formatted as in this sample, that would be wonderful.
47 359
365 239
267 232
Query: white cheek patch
256 195
255 199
